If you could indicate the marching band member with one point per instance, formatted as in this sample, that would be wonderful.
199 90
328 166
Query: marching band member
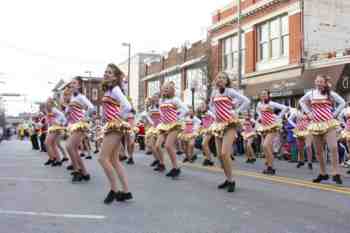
115 111
208 119
325 107
248 134
56 121
172 111
153 117
43 132
226 104
269 127
189 134
77 127
300 121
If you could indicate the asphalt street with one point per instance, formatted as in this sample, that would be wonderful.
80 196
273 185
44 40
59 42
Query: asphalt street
38 199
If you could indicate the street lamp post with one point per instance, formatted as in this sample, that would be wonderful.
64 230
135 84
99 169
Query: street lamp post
129 60
194 87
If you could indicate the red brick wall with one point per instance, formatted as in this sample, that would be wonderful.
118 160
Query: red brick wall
215 60
295 38
221 15
251 51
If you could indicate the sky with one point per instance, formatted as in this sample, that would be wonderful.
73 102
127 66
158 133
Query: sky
42 41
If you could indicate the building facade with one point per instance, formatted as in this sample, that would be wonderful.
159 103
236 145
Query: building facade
91 88
285 44
187 67
137 66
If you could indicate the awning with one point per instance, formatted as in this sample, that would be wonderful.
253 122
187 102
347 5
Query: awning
295 85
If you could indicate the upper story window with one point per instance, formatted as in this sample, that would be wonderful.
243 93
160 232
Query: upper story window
230 52
273 38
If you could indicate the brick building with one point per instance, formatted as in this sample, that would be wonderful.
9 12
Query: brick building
285 43
186 66
91 88
137 66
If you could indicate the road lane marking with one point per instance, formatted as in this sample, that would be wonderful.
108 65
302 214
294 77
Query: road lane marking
45 214
279 179
31 179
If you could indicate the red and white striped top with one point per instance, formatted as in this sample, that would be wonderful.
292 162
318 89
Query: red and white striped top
323 107
268 117
224 106
155 116
76 113
191 124
111 109
207 120
303 122
171 110
266 113
321 110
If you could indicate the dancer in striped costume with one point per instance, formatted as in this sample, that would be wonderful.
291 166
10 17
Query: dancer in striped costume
269 127
325 107
208 119
300 121
153 119
188 135
130 137
172 111
344 117
78 127
249 133
116 108
56 121
226 103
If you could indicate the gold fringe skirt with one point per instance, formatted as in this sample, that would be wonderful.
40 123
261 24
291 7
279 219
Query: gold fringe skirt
166 128
345 134
205 132
80 126
269 128
218 129
187 137
248 135
116 126
151 132
301 134
321 128
56 129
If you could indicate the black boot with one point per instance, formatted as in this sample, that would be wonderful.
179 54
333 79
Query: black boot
321 178
48 162
300 164
337 179
160 168
269 171
231 187
77 177
223 185
122 196
110 197
154 163
130 161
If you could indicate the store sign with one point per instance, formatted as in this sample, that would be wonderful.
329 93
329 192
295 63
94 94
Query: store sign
345 82
281 93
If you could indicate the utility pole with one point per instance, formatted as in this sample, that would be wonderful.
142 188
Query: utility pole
239 34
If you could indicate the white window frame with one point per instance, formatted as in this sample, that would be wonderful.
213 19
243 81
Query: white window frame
281 35
230 54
